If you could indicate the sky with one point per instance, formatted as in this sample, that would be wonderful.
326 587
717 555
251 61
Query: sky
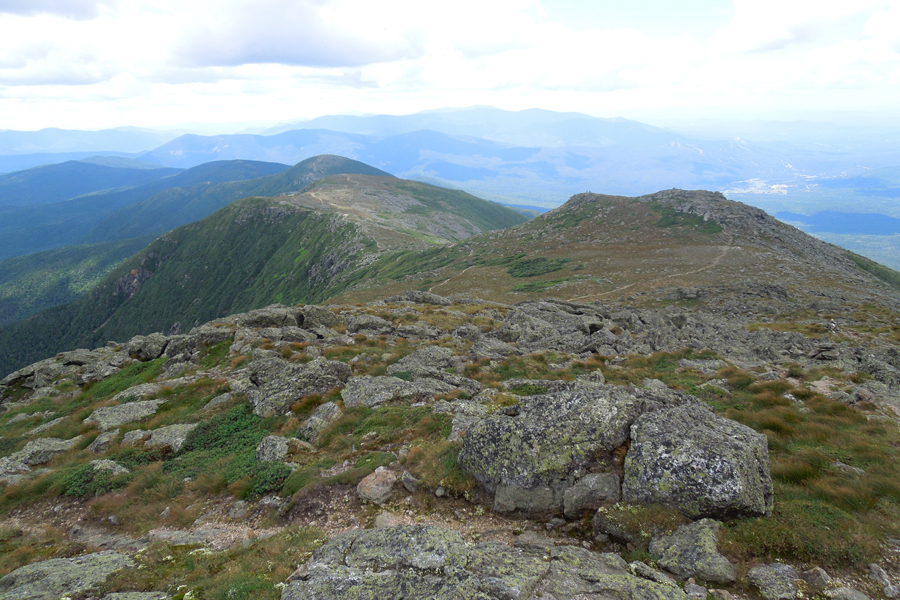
94 64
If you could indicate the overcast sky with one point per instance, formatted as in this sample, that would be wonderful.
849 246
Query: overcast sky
107 63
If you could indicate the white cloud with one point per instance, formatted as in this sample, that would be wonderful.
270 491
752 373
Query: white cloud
153 61
74 9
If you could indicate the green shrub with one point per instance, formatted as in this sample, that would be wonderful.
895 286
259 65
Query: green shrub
532 267
85 480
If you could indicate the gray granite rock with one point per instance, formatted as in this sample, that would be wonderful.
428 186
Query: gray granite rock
590 493
112 417
691 551
706 465
172 436
278 383
420 561
377 487
322 417
58 577
775 581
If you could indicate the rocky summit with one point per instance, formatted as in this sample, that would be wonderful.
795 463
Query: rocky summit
700 436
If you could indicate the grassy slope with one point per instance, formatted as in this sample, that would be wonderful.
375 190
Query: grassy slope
29 284
175 207
486 215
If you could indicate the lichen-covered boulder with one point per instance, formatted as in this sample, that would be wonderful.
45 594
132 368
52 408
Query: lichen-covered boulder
278 383
775 581
368 324
423 362
372 391
111 417
692 551
318 316
322 417
521 327
40 451
172 436
146 347
421 561
531 453
377 487
422 297
275 315
272 448
590 493
706 465
59 577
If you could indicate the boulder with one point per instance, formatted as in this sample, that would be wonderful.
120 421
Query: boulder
845 593
40 451
590 493
377 487
278 383
521 327
685 456
424 362
321 418
102 442
146 347
59 577
816 578
422 561
775 581
172 436
272 448
421 297
109 465
368 324
548 442
275 315
318 316
372 391
111 417
691 551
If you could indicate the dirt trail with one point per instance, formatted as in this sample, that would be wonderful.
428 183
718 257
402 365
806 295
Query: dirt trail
725 250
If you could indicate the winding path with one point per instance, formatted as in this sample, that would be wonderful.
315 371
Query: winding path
725 250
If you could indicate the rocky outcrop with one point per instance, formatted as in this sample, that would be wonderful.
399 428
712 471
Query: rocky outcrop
691 551
111 417
528 455
373 391
368 324
278 383
421 561
59 577
706 465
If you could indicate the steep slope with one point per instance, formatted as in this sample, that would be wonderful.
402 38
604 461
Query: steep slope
30 284
298 248
26 229
187 203
55 183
